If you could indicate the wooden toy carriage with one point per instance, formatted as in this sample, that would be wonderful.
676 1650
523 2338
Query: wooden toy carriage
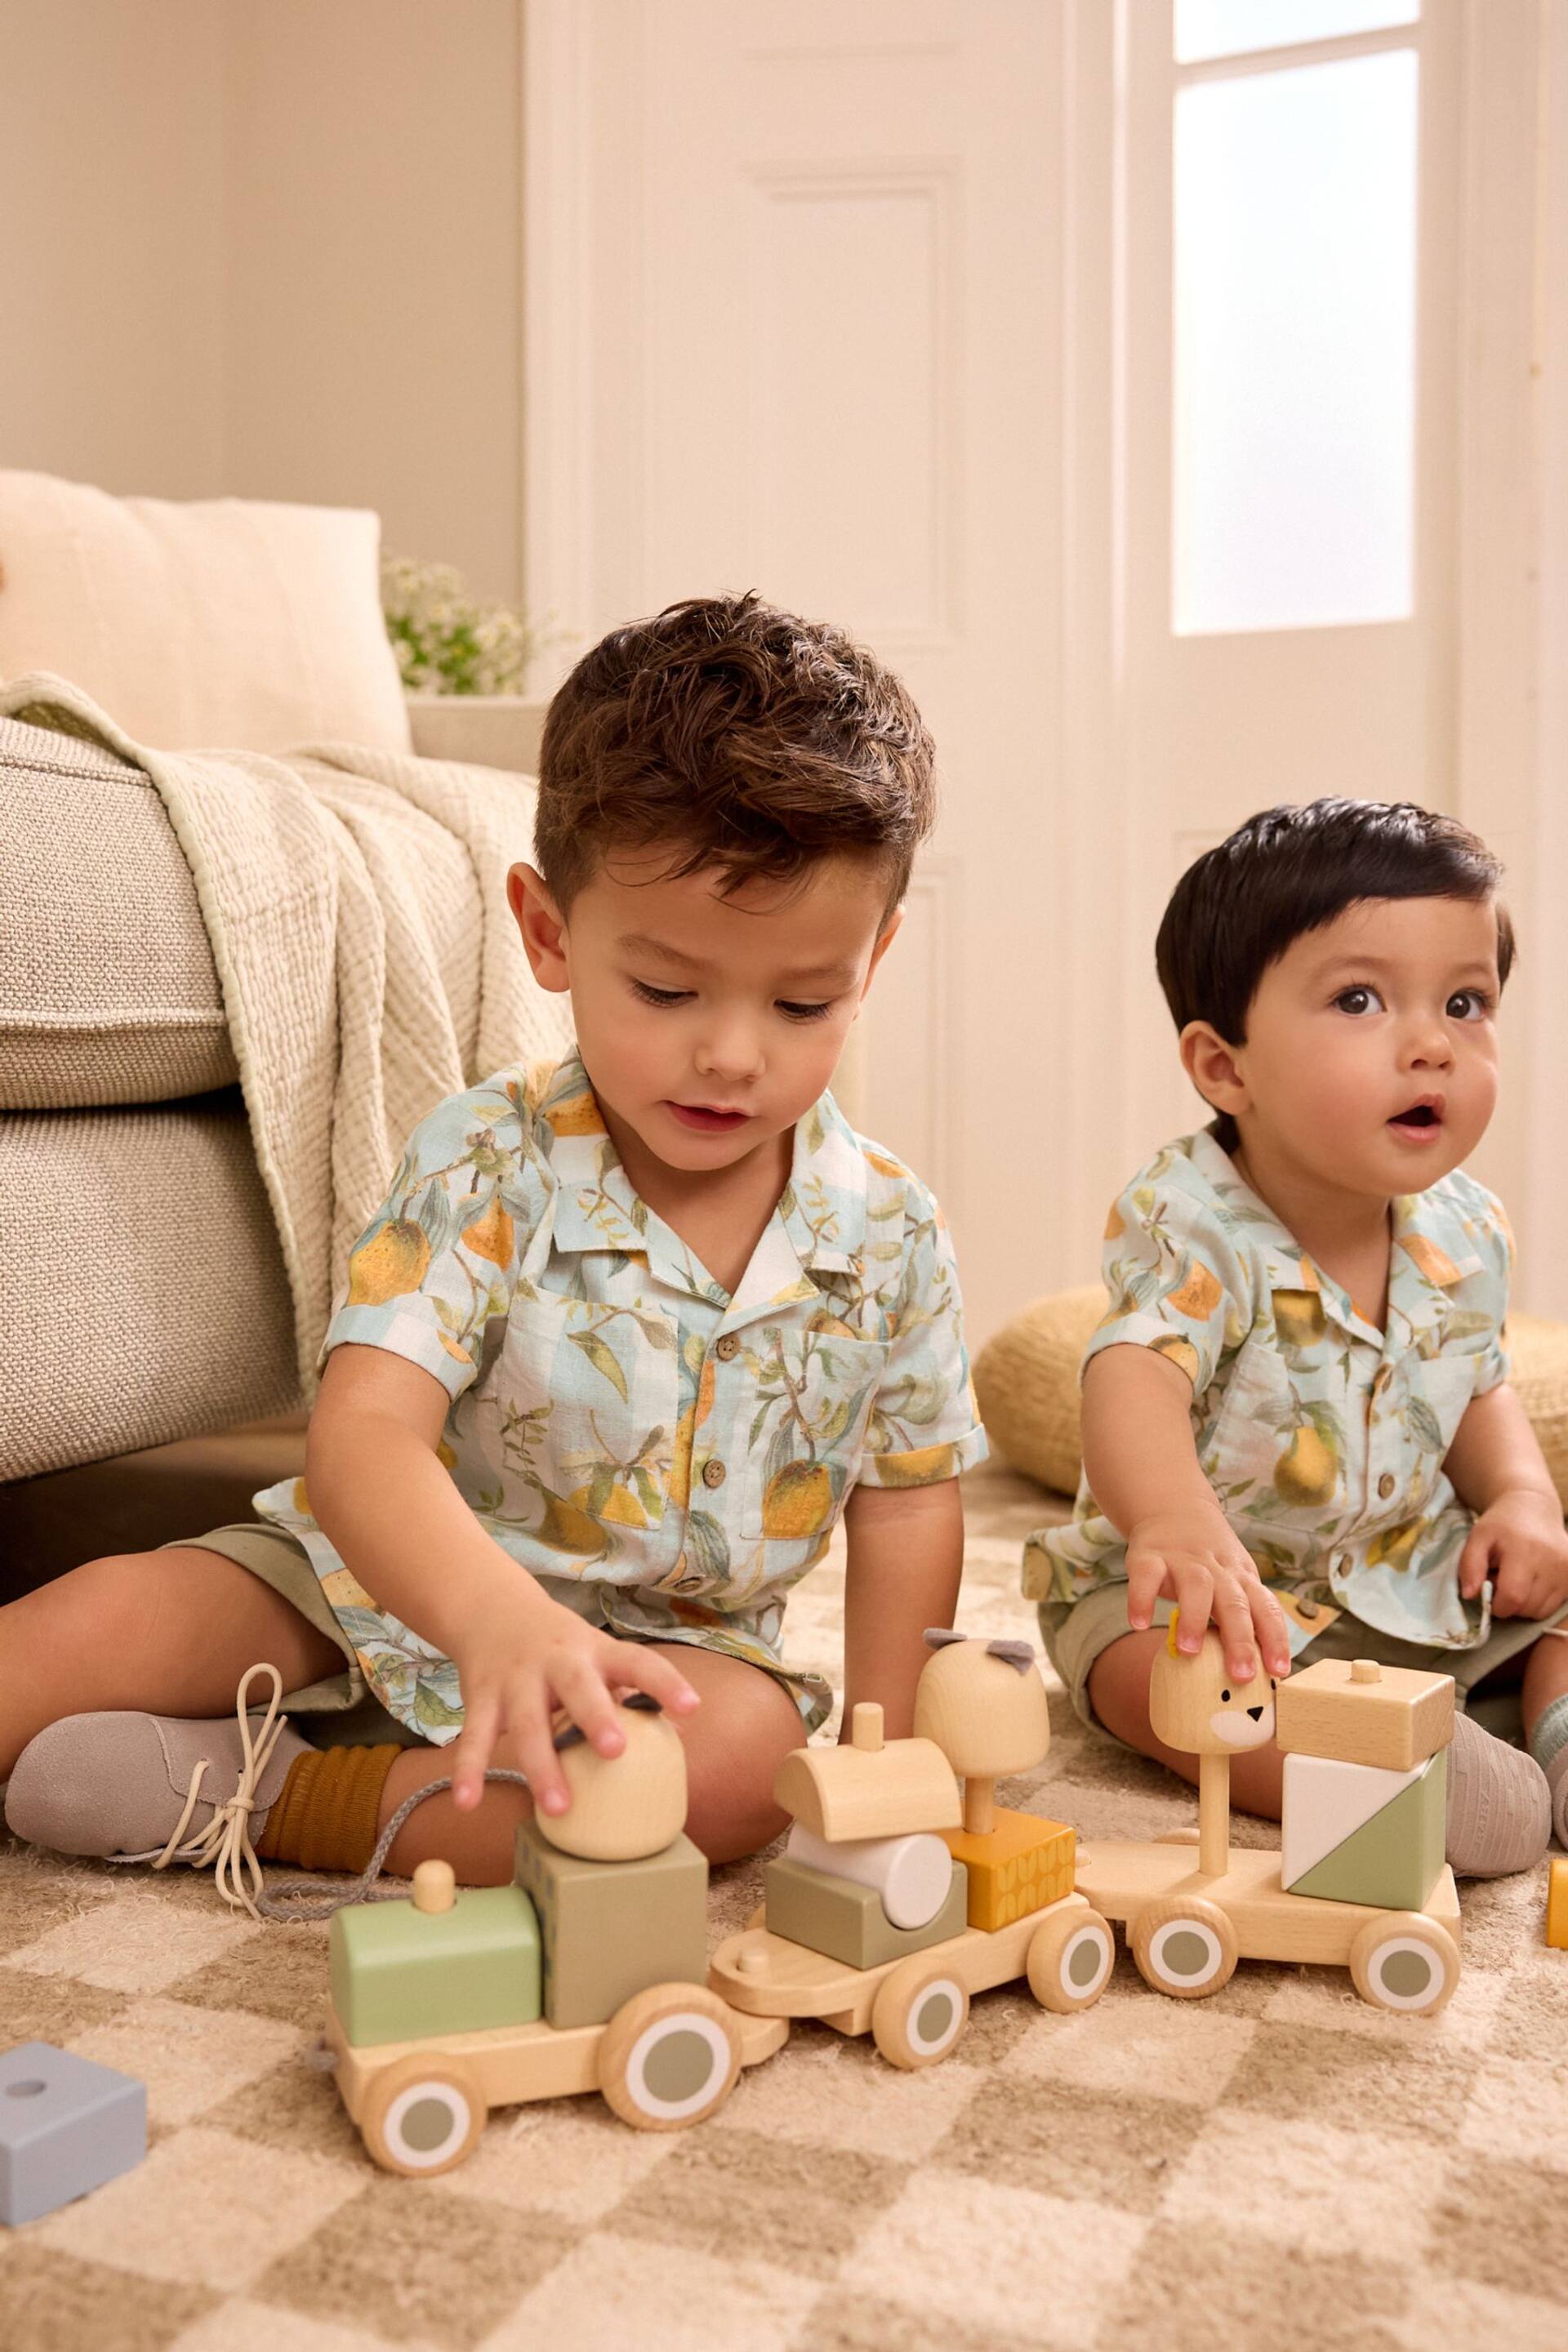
1360 1881
585 1974
897 1900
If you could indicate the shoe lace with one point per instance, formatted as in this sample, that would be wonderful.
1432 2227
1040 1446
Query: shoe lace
224 1842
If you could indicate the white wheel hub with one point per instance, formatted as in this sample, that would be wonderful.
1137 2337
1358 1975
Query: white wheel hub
425 2124
935 2017
1406 1972
1185 1952
675 2064
1085 1962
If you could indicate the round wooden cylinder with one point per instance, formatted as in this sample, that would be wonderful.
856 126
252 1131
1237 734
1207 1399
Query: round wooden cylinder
911 1875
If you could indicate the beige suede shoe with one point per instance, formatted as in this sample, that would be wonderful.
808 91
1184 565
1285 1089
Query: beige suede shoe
1500 1807
158 1788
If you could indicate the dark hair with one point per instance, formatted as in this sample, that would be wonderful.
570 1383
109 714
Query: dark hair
750 740
1290 870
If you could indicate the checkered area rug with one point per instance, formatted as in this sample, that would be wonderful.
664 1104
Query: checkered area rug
1279 2163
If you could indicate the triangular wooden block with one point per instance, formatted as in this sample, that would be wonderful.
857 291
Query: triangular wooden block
1394 1860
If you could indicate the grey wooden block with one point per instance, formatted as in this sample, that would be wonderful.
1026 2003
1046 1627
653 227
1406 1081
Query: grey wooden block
66 2126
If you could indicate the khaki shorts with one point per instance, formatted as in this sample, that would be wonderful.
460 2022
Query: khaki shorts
342 1710
1074 1637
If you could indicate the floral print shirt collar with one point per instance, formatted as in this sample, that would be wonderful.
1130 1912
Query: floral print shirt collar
1432 1253
819 1223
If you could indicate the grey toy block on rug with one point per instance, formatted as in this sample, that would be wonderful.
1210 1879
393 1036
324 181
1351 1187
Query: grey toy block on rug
66 2125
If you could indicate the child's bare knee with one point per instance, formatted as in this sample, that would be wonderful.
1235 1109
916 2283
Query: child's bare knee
732 1766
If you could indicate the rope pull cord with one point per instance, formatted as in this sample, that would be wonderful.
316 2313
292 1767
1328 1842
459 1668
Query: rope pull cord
299 1900
225 1844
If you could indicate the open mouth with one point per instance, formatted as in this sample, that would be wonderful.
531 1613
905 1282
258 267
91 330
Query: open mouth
707 1121
1422 1119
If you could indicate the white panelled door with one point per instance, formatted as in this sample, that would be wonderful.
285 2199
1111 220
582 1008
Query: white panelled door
808 262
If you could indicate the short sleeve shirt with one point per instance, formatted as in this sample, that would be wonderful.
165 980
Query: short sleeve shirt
1322 1437
665 1457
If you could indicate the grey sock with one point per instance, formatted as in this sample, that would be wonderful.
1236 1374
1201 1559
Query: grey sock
1557 1785
1549 1746
1500 1807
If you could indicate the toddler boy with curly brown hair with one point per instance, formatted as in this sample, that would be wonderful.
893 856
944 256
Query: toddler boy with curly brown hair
629 1337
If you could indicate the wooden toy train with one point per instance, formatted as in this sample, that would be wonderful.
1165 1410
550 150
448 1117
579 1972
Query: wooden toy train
898 1895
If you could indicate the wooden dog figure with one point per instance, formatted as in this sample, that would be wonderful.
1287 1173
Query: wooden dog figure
1194 1704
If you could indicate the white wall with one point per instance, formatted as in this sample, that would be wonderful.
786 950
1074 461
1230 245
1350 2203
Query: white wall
271 250
111 242
374 268
1546 942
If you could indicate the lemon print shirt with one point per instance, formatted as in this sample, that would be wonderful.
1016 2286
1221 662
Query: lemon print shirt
1322 1437
666 1459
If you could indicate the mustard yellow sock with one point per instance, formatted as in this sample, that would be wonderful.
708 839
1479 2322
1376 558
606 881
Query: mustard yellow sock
325 1816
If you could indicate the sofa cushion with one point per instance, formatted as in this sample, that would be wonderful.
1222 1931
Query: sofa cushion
230 621
1026 1379
108 990
144 1292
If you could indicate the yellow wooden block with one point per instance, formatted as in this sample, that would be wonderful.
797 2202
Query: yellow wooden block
1019 1866
1557 1905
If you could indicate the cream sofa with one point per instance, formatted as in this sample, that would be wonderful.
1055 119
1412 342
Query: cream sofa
143 1299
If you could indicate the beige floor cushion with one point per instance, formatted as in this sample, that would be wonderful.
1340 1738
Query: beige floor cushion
1026 1379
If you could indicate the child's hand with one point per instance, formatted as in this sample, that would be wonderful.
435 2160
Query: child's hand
1194 1560
1518 1541
526 1658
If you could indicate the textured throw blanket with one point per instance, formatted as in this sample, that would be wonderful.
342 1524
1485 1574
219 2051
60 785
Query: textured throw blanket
338 885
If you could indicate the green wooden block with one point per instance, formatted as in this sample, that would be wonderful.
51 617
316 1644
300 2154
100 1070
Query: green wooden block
400 1975
845 1921
613 1928
1394 1859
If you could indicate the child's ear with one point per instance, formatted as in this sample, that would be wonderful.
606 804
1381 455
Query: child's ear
543 930
884 941
1214 1069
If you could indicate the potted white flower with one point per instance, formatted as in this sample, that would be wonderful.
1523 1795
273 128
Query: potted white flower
465 667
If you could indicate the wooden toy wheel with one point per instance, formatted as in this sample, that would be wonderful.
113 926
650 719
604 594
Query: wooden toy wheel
1405 1960
1070 1961
670 2057
920 2012
423 2115
1183 1946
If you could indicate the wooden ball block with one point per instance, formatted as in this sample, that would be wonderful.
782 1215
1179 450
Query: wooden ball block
1557 1905
1356 1833
611 1928
1392 1717
400 1971
1019 1865
845 1921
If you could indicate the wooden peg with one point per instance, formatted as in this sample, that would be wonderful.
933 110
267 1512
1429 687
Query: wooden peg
1213 1815
866 1728
434 1886
979 1806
